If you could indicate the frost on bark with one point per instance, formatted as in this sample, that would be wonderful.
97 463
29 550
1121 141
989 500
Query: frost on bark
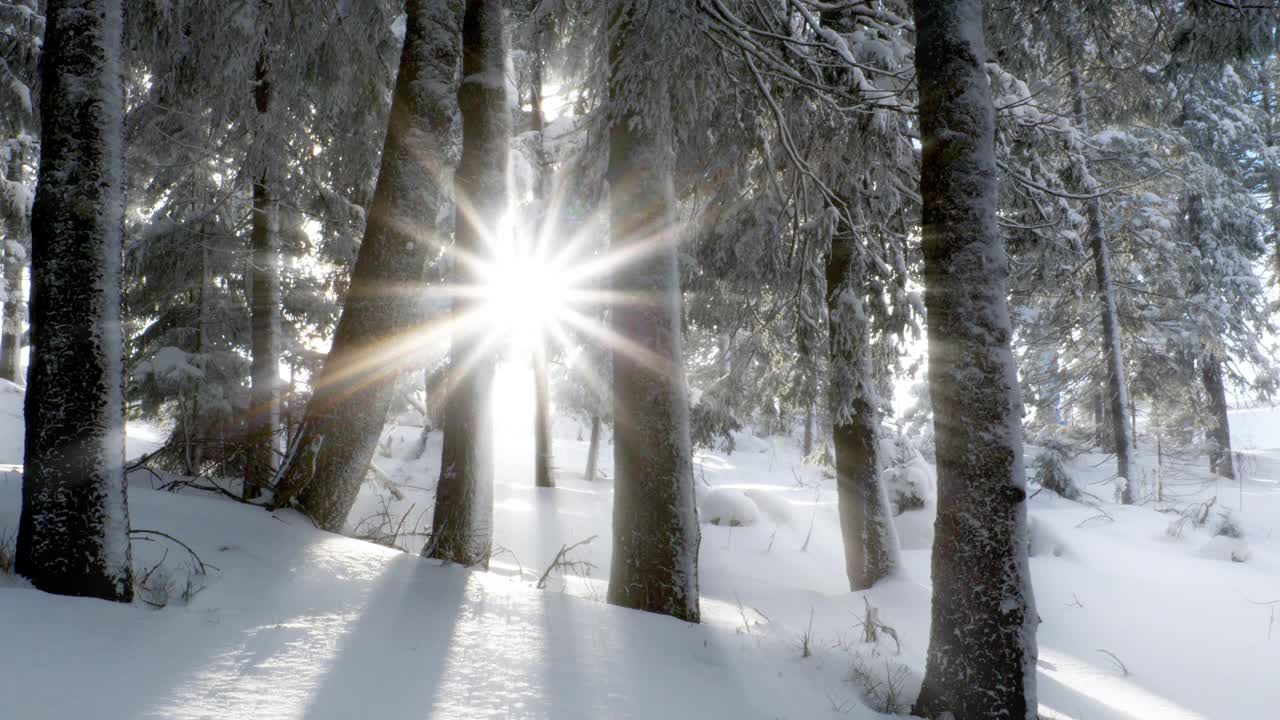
1220 461
655 522
264 308
73 537
462 525
866 523
349 401
982 650
1117 397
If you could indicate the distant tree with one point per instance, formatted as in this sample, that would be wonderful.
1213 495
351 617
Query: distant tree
981 661
22 27
462 524
327 461
73 536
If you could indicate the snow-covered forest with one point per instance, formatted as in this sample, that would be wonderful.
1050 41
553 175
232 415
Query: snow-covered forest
586 359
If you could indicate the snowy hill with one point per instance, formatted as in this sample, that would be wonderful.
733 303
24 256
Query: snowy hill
291 622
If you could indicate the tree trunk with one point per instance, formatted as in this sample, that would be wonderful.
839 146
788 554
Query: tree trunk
462 526
1220 460
73 536
655 518
1117 391
593 449
15 256
866 522
264 308
544 470
1273 166
981 661
807 446
374 337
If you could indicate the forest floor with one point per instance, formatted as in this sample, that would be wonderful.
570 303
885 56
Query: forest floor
1144 615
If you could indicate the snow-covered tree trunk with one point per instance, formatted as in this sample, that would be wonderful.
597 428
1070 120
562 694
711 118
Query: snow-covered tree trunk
655 520
73 537
1220 460
1117 399
352 393
981 661
15 257
866 522
264 308
462 525
593 450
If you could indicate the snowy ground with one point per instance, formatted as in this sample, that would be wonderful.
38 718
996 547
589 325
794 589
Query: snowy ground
297 623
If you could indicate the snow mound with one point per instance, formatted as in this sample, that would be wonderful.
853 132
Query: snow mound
725 506
773 504
1225 549
1043 541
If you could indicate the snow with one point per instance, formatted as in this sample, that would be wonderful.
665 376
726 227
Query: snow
726 506
298 623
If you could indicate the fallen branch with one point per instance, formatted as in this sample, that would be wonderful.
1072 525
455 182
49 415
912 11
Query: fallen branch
201 565
560 561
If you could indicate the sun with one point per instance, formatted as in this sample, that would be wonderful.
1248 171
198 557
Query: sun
527 294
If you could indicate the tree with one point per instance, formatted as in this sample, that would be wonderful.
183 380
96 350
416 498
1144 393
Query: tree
462 524
264 277
981 661
22 27
655 522
73 536
328 459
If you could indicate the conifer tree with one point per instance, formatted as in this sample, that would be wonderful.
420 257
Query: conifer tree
73 536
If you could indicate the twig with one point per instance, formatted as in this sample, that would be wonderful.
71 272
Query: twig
200 564
559 561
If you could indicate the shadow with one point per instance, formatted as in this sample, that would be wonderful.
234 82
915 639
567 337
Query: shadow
395 655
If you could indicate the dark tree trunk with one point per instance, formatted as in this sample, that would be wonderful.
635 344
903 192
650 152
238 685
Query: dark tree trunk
462 526
73 536
593 450
655 518
1220 460
375 338
981 661
866 522
544 470
264 306
14 306
1117 399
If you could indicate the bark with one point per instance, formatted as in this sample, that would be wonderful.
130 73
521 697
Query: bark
1220 459
655 522
866 522
981 661
593 450
14 306
462 526
1117 399
807 446
264 310
374 338
73 536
